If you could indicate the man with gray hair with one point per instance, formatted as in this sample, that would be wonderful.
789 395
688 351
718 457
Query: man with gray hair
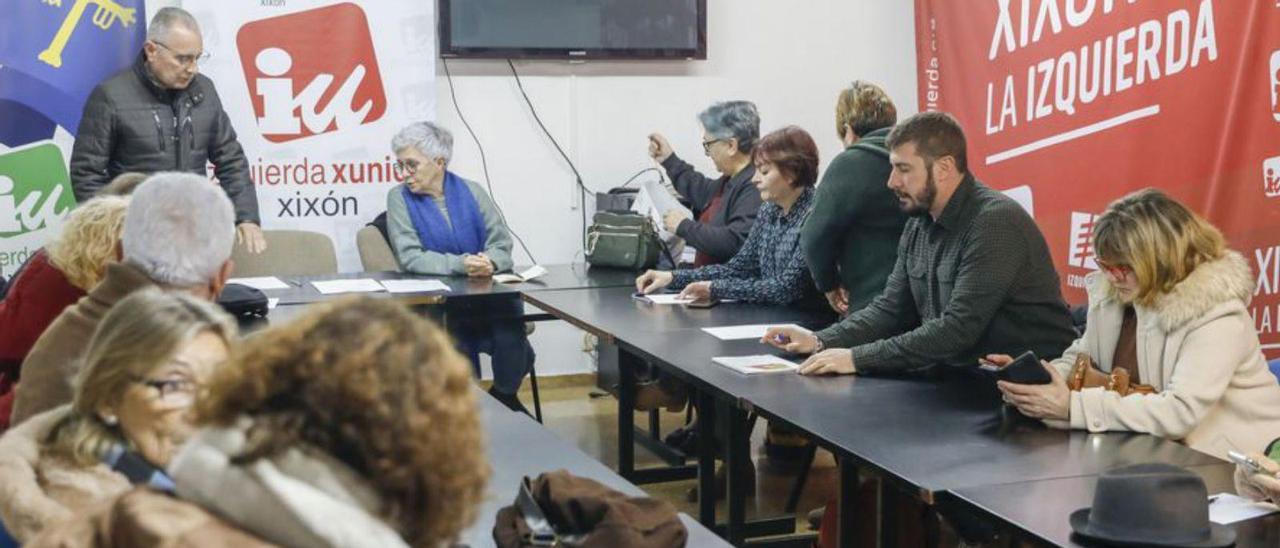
178 233
162 115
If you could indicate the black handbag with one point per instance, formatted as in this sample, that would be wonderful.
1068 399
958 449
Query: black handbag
246 304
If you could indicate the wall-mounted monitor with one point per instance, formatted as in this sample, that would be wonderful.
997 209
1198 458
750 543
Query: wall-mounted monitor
573 29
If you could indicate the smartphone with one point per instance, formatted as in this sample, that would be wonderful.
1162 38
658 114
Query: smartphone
708 303
1025 369
1251 466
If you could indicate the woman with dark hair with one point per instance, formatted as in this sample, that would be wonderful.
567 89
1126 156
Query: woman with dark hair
770 268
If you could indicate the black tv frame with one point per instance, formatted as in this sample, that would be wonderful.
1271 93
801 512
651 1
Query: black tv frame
447 50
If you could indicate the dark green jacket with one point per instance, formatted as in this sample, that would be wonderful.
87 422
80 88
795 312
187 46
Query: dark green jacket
851 238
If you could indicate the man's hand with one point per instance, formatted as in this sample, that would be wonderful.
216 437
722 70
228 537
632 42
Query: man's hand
838 298
478 265
250 235
659 148
834 361
653 280
796 340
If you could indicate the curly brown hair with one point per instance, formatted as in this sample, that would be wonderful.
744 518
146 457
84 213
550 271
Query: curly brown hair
377 388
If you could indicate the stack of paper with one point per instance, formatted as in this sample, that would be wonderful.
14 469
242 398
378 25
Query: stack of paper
667 298
1225 509
261 283
737 332
414 286
359 285
757 365
513 278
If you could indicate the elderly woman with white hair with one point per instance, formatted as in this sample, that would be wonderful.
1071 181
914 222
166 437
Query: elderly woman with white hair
441 224
724 208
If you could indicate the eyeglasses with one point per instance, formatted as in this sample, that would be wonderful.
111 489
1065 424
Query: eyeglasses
408 167
177 392
706 145
1116 271
185 59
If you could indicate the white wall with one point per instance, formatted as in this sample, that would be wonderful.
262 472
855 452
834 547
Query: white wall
791 57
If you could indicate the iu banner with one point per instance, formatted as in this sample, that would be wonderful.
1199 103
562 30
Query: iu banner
52 54
315 90
1084 101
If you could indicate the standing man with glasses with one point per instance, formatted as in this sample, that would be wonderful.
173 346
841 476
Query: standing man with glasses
161 114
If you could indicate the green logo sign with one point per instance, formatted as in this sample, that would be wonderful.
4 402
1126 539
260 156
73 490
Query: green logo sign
35 189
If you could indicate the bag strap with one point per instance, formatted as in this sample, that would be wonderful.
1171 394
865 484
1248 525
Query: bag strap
541 532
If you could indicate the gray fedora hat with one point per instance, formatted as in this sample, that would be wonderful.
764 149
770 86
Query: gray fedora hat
1151 505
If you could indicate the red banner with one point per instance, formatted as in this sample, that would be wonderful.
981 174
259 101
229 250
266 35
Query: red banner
1083 101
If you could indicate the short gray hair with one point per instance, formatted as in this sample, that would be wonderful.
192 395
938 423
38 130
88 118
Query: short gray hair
431 140
733 120
168 18
179 229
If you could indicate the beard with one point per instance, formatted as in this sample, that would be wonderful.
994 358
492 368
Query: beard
913 205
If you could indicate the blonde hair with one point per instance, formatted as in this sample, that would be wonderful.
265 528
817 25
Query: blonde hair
864 107
379 389
1158 238
138 334
88 240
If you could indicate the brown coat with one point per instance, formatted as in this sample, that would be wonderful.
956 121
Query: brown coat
51 366
142 518
38 489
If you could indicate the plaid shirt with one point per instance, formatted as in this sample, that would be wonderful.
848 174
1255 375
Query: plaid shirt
979 280
770 267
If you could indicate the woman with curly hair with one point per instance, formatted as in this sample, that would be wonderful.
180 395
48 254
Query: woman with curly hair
54 278
355 425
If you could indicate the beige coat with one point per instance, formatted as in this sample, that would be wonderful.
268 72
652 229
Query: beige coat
49 369
141 518
1198 347
37 489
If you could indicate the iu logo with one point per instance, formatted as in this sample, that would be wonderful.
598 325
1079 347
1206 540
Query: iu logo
311 72
1271 177
1081 250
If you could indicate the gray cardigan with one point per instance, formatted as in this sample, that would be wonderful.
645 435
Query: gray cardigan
413 258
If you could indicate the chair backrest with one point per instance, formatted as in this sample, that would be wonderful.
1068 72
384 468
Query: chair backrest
289 253
375 253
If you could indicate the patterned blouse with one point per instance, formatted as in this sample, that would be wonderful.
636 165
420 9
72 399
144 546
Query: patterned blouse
770 266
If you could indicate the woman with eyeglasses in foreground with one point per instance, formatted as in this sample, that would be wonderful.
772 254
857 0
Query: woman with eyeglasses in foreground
1168 305
353 426
131 411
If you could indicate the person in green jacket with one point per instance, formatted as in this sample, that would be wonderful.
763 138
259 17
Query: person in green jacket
851 239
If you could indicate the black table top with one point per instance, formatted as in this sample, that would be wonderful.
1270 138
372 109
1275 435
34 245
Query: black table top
520 447
1040 509
567 276
930 434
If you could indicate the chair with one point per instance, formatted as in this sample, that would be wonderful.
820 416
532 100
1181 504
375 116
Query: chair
375 253
289 253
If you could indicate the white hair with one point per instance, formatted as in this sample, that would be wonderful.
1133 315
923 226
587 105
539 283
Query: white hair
166 19
179 229
431 140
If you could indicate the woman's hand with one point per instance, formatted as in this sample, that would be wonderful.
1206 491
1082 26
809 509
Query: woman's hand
698 291
796 340
653 280
1259 487
1038 401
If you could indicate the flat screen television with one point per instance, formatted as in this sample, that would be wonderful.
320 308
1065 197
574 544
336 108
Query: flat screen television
573 29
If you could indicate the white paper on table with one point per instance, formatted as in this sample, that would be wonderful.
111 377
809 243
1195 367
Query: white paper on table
359 285
414 286
261 283
668 298
529 274
272 303
1226 508
760 364
736 332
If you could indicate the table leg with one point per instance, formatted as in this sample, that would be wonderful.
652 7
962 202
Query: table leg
706 459
627 365
737 457
887 526
847 520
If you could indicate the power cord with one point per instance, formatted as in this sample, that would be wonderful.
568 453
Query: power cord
582 188
484 162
